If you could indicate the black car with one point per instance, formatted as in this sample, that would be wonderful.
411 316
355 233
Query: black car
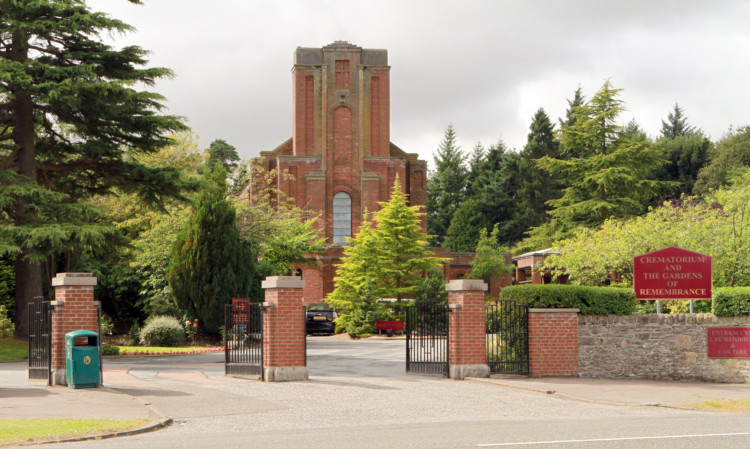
320 319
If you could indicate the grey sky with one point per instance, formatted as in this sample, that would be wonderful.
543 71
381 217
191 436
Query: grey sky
485 66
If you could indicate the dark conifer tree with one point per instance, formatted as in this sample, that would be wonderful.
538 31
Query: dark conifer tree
676 125
210 262
536 185
467 222
497 193
70 116
446 187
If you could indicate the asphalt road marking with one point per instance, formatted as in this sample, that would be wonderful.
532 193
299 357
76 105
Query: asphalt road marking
598 440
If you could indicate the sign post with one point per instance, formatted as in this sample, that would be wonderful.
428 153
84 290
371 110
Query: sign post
672 273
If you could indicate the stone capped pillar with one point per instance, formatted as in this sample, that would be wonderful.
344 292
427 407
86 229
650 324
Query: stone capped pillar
467 351
284 357
73 309
553 342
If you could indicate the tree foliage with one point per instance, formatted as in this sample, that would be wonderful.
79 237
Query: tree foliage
677 125
606 174
467 222
403 245
220 152
718 226
70 121
446 186
496 192
732 157
432 288
280 232
210 263
387 258
489 263
537 187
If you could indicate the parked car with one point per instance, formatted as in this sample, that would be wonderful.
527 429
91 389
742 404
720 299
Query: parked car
320 319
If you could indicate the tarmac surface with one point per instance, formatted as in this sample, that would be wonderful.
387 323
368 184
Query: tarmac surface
130 386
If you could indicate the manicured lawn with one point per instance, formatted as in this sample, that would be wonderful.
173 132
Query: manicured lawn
15 431
12 349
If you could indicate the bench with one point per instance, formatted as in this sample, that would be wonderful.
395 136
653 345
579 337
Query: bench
389 327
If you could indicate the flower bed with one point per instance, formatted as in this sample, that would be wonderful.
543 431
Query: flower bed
168 351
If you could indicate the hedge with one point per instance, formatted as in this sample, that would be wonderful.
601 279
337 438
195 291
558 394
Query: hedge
591 300
731 301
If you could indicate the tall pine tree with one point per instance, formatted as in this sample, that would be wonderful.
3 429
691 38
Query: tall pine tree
496 193
70 115
676 124
446 187
537 187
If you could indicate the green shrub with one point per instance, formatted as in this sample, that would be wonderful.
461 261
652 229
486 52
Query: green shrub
731 301
107 325
591 300
134 333
6 325
108 349
162 331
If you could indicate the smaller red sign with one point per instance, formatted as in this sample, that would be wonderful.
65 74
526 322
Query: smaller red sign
725 342
672 273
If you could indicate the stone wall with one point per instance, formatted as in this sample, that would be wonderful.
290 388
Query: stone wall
656 347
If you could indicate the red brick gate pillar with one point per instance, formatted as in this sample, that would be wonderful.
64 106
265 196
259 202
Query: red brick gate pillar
284 357
73 309
553 342
467 351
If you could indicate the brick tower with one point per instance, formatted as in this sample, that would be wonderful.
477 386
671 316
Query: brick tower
340 156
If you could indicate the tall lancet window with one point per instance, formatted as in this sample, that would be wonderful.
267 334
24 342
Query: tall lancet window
342 218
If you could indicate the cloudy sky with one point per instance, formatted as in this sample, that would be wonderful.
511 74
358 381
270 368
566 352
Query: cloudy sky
484 66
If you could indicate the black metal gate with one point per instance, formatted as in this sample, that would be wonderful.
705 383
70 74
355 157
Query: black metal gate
508 337
243 354
427 339
40 340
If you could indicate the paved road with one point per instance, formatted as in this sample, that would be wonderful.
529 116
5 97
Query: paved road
360 397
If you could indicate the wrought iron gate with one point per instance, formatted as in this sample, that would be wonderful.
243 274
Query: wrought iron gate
427 339
243 353
40 340
508 337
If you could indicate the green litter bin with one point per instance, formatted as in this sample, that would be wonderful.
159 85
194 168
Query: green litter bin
82 359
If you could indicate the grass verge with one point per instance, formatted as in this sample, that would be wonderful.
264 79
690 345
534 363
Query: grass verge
16 431
12 349
730 405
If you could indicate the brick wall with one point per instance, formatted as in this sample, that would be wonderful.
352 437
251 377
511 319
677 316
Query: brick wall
284 328
73 309
657 346
553 342
467 340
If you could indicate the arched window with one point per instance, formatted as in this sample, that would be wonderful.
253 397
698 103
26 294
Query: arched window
342 218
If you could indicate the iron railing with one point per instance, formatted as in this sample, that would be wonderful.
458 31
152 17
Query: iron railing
243 339
40 340
508 337
427 339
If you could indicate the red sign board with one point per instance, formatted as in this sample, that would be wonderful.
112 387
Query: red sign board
729 342
672 273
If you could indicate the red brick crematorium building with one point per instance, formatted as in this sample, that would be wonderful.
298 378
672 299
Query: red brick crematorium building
340 156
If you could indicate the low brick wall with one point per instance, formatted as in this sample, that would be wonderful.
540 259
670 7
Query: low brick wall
656 347
553 342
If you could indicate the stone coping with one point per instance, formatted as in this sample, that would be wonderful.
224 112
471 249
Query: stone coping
70 279
554 310
458 285
283 282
